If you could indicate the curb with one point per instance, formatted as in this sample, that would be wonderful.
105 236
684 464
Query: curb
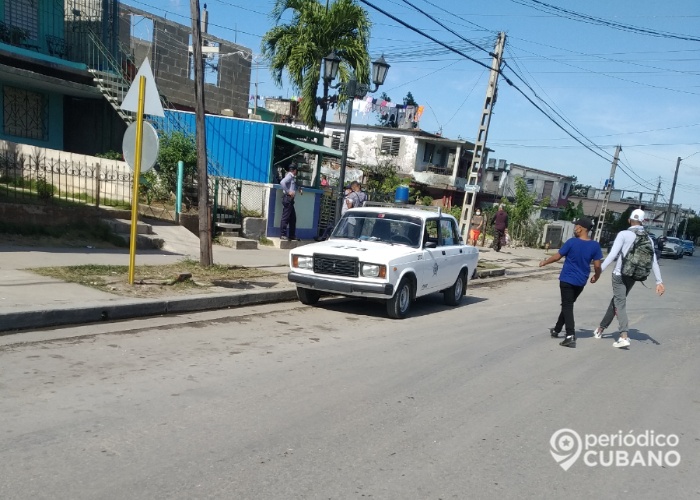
43 318
11 323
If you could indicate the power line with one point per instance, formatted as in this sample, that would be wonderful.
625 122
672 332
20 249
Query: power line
577 16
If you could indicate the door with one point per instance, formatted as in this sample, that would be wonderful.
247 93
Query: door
452 250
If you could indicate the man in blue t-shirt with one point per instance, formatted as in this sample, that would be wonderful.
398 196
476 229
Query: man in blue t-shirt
579 253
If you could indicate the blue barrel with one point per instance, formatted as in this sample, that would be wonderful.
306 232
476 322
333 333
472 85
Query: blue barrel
401 194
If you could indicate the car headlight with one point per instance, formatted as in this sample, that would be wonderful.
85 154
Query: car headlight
373 270
302 262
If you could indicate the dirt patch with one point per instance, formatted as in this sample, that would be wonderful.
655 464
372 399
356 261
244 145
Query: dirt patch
186 277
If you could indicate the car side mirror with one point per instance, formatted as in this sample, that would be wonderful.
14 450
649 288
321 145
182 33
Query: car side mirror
430 244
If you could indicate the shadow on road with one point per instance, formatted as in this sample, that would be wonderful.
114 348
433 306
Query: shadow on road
423 306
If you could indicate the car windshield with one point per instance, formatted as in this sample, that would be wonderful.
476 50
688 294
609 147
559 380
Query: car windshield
673 240
380 227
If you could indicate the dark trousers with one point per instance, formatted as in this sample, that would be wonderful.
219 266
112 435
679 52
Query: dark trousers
289 218
498 236
569 294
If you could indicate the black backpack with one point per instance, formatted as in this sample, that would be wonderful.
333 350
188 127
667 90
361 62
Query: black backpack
637 263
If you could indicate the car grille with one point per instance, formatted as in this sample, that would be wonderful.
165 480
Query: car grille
336 266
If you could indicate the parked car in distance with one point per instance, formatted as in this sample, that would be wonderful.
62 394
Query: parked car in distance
673 248
387 253
688 247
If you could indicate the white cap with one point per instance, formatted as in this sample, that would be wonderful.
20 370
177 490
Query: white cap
637 215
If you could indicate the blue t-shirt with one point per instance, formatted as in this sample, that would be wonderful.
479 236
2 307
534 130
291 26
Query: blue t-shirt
579 255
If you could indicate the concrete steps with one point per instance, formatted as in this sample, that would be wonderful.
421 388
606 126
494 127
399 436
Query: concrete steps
145 238
237 242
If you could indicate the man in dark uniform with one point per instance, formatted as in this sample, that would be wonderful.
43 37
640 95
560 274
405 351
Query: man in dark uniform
288 224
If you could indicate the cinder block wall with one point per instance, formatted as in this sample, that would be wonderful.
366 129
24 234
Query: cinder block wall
168 53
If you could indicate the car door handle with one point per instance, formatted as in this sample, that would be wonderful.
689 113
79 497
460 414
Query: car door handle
443 252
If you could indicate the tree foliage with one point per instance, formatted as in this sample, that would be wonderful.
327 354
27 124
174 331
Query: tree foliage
300 45
176 147
520 211
693 228
572 212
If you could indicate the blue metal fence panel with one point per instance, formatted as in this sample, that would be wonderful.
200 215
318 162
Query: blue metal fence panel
242 148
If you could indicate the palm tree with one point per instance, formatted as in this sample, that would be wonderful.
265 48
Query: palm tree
313 32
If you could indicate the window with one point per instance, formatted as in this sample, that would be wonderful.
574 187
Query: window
338 141
23 15
530 183
448 232
496 178
390 146
25 114
428 152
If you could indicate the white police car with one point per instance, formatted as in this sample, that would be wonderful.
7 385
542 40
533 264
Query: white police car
390 253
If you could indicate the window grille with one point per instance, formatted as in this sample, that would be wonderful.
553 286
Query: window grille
390 146
338 141
24 15
25 113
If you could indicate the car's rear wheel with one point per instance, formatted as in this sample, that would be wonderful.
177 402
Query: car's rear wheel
397 307
307 296
453 295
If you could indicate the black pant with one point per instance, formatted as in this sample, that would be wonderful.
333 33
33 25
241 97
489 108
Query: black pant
498 237
289 218
569 294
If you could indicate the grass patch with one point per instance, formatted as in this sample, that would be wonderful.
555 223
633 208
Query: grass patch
487 265
151 281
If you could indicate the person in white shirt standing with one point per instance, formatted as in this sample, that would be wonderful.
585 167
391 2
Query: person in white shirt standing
622 284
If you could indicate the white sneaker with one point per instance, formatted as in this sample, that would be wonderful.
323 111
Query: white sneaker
622 342
598 333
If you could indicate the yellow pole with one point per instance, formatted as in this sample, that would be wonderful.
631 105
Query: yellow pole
137 174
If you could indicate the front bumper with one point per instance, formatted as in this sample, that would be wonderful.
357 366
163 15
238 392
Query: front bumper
336 285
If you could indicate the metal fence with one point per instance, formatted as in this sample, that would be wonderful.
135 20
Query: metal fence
24 178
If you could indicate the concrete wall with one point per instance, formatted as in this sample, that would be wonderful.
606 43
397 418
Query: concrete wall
168 53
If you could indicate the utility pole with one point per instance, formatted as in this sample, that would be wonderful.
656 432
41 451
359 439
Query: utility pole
606 198
205 251
472 187
667 219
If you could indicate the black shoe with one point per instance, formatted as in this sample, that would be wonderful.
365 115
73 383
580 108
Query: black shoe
295 239
569 341
554 333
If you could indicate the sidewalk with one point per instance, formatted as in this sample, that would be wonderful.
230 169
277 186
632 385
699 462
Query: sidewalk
30 301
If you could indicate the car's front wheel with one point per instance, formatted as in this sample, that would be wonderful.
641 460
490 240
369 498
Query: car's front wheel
397 307
453 295
307 296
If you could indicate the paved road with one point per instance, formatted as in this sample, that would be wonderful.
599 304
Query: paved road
289 402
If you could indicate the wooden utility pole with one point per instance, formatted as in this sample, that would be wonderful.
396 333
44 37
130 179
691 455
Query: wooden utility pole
205 251
472 187
606 198
667 219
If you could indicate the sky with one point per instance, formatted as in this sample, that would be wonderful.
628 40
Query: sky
623 73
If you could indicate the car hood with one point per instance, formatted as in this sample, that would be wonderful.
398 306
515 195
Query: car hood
366 251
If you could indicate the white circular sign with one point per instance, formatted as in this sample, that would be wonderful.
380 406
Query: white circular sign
149 146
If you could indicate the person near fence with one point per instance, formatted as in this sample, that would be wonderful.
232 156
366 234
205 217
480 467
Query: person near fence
579 251
500 224
358 197
477 225
622 284
288 225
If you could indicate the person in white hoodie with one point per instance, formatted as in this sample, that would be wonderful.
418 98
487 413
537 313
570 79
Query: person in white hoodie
622 284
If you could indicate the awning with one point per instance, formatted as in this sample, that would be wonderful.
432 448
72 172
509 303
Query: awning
310 146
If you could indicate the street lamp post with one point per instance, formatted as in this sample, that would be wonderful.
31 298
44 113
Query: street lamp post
352 89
